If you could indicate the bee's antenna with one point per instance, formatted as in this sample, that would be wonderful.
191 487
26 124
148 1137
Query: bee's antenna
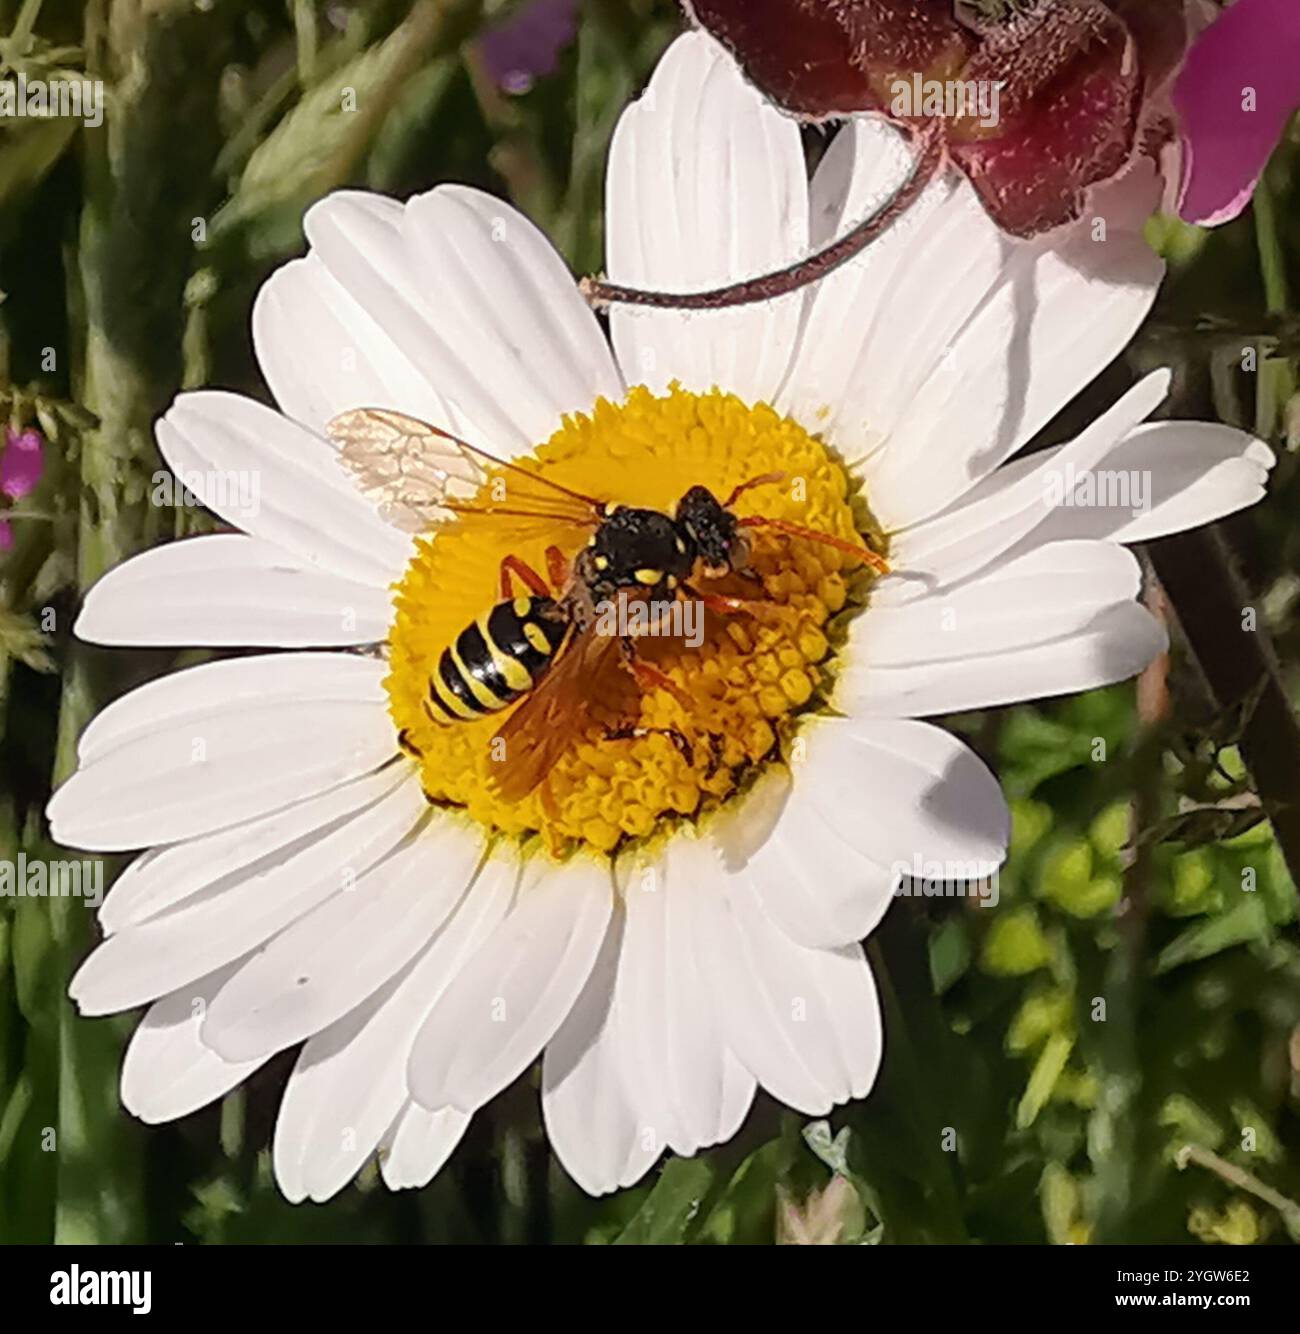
858 549
767 479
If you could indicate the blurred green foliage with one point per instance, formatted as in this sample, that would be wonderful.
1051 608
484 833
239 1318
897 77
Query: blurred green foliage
1050 1059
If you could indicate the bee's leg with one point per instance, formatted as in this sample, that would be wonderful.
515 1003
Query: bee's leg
546 794
559 567
651 678
858 549
684 747
526 576
724 603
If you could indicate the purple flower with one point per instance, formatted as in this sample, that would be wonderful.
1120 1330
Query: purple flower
1234 97
21 464
527 46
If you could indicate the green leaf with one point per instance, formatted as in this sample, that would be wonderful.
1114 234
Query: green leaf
27 156
1246 921
672 1206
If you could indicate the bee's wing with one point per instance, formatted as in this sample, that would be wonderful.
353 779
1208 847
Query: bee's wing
586 682
421 475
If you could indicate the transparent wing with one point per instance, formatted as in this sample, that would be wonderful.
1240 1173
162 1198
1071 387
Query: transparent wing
421 475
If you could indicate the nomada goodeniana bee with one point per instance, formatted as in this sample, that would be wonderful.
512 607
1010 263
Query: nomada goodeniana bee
537 650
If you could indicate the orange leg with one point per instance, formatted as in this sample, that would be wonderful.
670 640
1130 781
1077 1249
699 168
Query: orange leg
651 678
559 568
684 747
724 604
526 576
863 553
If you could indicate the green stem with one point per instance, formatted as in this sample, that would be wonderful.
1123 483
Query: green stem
132 263
21 36
307 38
1277 382
1272 260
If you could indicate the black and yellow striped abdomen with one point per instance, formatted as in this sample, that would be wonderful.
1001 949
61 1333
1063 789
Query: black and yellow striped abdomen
501 656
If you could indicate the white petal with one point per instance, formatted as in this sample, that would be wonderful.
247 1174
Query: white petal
898 790
167 1072
1162 478
963 540
165 877
246 907
877 327
946 320
1059 618
806 1023
358 237
828 900
508 304
210 690
1116 644
329 961
846 981
367 243
322 354
672 1056
1049 592
506 1004
229 591
418 1145
349 1085
1062 313
229 450
215 745
591 1122
706 186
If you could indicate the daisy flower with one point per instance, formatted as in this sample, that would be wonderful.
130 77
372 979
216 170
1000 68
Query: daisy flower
329 866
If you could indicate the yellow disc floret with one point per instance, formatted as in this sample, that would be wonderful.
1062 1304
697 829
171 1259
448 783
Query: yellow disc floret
736 693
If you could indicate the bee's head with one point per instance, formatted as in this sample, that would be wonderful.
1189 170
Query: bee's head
711 531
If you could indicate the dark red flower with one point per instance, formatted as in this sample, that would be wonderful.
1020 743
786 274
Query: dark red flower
1073 79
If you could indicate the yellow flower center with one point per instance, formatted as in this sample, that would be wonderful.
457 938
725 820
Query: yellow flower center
736 693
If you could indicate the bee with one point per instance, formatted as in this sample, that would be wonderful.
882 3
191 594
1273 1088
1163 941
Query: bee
537 647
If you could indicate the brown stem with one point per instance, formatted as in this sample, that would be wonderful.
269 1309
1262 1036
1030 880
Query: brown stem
926 165
1211 602
1242 1180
